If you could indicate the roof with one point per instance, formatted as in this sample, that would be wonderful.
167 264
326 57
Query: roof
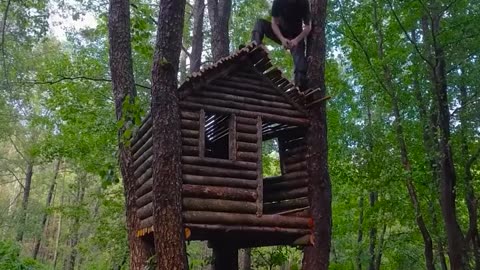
258 57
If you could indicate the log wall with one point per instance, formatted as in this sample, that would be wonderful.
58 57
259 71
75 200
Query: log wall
288 194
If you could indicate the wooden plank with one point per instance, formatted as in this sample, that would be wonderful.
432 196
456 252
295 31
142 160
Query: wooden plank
245 137
189 115
215 171
244 93
246 100
252 129
259 168
247 147
219 181
247 120
283 195
247 156
215 162
232 138
226 193
189 133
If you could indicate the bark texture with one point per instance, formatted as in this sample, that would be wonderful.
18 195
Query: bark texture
166 165
197 38
123 85
219 15
320 194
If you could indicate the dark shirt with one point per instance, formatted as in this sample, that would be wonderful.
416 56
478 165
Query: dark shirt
291 14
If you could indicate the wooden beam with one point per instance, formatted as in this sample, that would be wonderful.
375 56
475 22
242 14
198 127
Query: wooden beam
201 134
259 168
232 138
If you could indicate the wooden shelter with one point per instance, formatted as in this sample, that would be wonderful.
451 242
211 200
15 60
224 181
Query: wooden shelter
227 110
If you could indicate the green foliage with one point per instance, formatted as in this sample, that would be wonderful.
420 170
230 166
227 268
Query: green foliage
10 258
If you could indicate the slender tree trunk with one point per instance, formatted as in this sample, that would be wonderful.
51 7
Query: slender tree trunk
75 229
26 196
167 176
378 256
319 187
123 85
472 238
219 15
456 241
59 229
51 190
197 38
360 233
372 235
246 259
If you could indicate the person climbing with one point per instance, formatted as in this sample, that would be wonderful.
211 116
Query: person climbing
287 29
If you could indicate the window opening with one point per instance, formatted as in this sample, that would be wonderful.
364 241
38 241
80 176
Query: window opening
216 135
271 158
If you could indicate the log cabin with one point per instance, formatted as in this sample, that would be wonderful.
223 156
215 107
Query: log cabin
228 110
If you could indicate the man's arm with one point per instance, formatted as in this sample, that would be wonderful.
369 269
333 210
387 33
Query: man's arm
278 33
306 30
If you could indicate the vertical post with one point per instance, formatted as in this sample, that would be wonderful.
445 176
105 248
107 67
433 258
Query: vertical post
259 168
201 134
232 138
281 149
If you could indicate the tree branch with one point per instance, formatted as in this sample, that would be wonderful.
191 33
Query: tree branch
408 36
18 151
4 26
16 178
62 78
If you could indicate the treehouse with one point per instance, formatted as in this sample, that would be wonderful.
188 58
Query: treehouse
228 110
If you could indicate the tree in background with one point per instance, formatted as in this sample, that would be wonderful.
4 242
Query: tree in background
219 14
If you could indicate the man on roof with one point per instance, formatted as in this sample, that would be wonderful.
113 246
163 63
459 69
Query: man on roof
291 24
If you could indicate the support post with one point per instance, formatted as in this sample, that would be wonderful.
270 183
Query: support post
259 168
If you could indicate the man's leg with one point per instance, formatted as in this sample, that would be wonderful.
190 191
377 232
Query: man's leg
263 28
300 63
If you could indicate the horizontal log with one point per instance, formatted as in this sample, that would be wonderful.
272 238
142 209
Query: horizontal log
227 193
189 141
188 133
252 129
195 204
285 205
247 156
233 228
190 124
211 171
143 148
224 163
285 185
141 159
286 177
145 188
144 177
189 150
286 194
244 86
143 168
218 181
294 151
299 212
246 100
290 159
244 106
141 141
190 115
247 147
294 167
204 217
245 137
297 121
245 93
246 120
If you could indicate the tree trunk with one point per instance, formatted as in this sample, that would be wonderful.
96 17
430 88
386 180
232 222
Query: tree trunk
320 193
123 85
197 38
372 235
472 237
51 190
246 259
360 233
455 238
166 165
26 196
74 234
219 15
225 256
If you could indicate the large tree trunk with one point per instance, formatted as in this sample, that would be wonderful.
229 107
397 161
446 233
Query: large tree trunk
26 197
219 15
167 179
320 190
197 38
51 190
123 85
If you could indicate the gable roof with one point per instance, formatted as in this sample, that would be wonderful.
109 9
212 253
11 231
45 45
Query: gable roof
255 56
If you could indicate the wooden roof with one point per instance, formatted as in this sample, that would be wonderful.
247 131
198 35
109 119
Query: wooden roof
251 55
